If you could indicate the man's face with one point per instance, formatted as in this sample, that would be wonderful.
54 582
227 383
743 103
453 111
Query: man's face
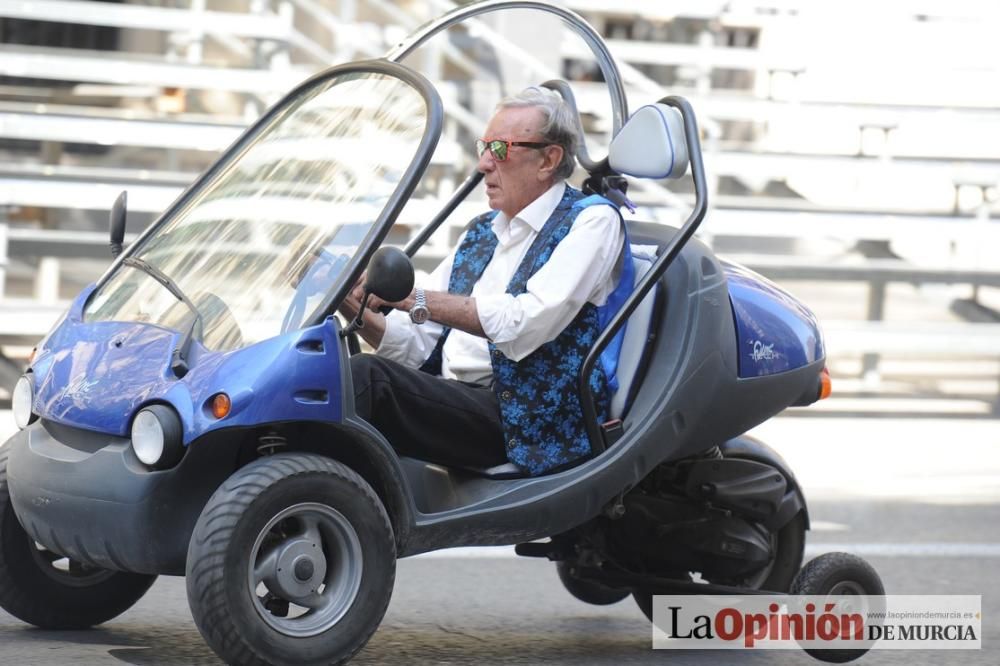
527 172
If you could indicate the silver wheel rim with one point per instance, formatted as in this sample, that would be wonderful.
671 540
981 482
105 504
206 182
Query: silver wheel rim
850 596
305 569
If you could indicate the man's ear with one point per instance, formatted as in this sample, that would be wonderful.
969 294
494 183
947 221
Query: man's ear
551 158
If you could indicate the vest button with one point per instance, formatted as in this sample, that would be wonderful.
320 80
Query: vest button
512 443
506 395
496 353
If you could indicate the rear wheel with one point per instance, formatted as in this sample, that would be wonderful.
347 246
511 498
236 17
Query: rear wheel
50 591
292 561
853 582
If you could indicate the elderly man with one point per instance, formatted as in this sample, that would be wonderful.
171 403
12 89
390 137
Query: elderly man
479 365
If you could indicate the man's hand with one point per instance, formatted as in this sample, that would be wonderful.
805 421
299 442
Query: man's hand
374 322
447 309
375 304
352 302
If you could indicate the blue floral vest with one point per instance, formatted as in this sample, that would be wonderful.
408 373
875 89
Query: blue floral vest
539 406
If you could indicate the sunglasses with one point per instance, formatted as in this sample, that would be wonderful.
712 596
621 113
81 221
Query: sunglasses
500 149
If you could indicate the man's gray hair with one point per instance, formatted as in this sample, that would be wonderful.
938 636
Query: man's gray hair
559 126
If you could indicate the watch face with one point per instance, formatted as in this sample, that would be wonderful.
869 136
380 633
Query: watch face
419 314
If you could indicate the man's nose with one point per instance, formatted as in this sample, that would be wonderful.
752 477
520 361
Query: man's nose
486 162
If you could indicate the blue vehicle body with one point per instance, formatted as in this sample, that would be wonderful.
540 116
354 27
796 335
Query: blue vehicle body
775 332
97 375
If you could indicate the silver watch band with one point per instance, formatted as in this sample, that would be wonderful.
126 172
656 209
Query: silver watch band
419 312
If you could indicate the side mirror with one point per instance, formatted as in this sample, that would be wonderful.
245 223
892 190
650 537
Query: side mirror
117 223
390 274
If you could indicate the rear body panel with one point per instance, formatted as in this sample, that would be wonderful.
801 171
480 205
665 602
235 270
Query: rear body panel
775 332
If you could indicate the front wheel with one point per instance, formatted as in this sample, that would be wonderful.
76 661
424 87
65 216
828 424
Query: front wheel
292 561
50 591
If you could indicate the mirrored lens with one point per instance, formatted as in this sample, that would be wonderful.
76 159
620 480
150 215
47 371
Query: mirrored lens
499 150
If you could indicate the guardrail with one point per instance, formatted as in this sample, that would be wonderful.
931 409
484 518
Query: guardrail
261 25
131 69
33 122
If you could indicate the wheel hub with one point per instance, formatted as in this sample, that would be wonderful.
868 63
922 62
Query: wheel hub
313 561
299 569
304 568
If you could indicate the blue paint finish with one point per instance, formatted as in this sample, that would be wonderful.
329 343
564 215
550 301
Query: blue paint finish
97 375
775 332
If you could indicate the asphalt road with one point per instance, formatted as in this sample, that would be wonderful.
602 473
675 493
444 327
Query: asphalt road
919 498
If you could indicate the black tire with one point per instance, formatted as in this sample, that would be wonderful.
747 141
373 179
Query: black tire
52 592
589 591
243 564
837 574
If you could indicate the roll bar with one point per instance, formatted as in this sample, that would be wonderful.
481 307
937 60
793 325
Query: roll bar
582 155
457 198
619 103
652 275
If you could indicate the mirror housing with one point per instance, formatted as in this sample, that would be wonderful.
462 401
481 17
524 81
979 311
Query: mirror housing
117 223
390 274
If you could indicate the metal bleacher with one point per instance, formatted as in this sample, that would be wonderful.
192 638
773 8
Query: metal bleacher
79 124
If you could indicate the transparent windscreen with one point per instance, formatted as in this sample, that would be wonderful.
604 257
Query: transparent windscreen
261 244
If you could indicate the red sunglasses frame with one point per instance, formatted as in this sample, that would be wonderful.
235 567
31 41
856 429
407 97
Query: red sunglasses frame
483 144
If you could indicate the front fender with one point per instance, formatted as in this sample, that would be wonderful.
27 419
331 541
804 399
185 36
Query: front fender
751 448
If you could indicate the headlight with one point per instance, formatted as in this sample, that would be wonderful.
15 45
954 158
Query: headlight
156 437
24 393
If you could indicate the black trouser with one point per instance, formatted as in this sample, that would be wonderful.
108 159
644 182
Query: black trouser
444 421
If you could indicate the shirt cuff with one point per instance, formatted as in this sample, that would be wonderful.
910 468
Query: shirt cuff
499 315
396 336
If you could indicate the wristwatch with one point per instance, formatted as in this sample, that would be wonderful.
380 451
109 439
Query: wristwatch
419 312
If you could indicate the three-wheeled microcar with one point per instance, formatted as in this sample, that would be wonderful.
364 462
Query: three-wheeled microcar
192 413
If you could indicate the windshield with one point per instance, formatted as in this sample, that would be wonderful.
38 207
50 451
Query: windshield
258 246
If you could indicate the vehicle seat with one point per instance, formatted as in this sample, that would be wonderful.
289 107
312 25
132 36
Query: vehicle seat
650 145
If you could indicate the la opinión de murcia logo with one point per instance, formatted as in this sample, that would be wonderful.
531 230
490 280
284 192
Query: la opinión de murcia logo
762 352
730 624
787 622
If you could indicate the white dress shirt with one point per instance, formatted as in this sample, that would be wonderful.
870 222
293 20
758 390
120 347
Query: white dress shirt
582 268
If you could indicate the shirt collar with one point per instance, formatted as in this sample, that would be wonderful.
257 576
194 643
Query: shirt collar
537 213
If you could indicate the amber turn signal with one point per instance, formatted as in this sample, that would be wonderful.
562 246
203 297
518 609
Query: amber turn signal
221 404
825 384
